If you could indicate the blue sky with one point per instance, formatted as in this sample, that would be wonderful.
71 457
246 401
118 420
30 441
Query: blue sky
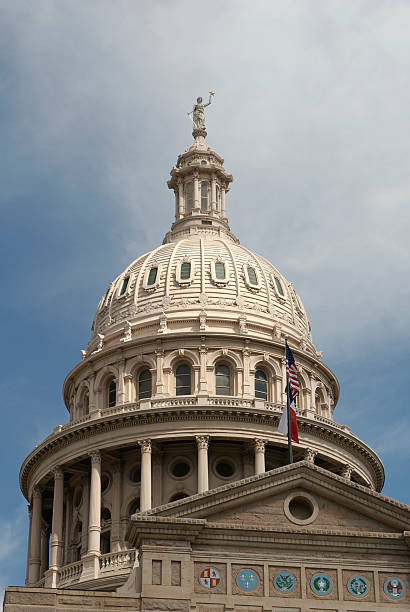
311 116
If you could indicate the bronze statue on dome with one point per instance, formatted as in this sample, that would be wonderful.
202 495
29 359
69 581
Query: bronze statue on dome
198 112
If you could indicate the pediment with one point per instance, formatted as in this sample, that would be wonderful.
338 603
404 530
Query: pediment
298 495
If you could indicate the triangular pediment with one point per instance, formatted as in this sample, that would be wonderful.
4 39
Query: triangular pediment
294 496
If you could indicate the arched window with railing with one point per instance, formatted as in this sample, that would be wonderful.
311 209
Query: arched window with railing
144 384
223 379
183 379
204 197
261 385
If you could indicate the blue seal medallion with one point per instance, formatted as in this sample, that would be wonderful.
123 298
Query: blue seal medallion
358 586
284 582
322 584
247 580
394 588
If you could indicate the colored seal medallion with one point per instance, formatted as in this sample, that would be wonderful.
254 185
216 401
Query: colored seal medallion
209 578
247 580
284 582
322 584
394 588
358 586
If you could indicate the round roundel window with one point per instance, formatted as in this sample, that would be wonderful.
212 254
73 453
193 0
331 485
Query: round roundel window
247 580
180 468
322 584
358 586
225 468
209 578
394 588
284 582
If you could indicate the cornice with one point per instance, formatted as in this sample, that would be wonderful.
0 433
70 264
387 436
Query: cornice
182 414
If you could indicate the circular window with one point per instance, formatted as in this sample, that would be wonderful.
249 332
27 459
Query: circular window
225 468
135 474
301 508
180 468
78 497
105 482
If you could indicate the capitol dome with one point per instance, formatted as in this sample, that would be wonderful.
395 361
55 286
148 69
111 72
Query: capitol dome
179 391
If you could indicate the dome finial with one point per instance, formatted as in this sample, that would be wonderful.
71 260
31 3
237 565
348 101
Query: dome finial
198 116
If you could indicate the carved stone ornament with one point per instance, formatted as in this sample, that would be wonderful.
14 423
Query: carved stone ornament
203 299
202 320
243 324
95 456
145 446
259 445
36 492
83 354
310 455
163 324
58 473
127 332
347 471
202 442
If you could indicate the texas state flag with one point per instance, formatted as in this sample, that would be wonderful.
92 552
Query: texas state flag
283 423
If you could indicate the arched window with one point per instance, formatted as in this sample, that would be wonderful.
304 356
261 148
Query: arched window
112 393
261 385
189 197
134 506
183 379
144 384
105 514
222 379
279 287
204 197
124 285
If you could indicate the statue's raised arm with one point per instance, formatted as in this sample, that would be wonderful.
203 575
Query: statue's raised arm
198 113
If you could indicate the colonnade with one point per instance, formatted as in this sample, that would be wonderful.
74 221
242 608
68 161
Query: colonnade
91 537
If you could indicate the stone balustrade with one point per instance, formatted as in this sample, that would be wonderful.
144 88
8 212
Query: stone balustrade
113 562
69 573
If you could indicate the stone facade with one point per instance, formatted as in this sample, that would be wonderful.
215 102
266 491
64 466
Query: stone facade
168 489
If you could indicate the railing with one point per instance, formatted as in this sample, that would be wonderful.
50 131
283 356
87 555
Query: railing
70 573
117 561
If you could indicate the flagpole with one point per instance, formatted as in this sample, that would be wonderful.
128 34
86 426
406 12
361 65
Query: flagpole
290 453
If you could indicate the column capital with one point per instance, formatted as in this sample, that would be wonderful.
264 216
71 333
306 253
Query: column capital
36 492
202 442
145 446
259 445
95 456
347 471
58 473
310 455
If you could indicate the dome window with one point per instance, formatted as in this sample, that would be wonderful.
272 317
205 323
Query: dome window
261 385
219 272
112 394
124 286
144 384
185 272
222 379
152 276
183 380
250 275
279 287
189 197
204 196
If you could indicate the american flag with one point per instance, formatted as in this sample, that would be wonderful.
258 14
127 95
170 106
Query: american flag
292 372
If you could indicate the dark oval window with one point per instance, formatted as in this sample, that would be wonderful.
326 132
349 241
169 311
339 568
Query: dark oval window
225 468
144 384
135 474
152 276
261 385
105 481
180 469
253 279
183 379
185 270
301 508
220 270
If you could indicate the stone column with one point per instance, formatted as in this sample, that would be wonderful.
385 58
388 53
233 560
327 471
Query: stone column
57 525
120 383
196 207
157 478
45 541
145 474
246 386
128 387
203 387
213 194
223 203
159 391
259 456
68 521
116 508
86 510
181 207
35 537
28 542
203 482
94 521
